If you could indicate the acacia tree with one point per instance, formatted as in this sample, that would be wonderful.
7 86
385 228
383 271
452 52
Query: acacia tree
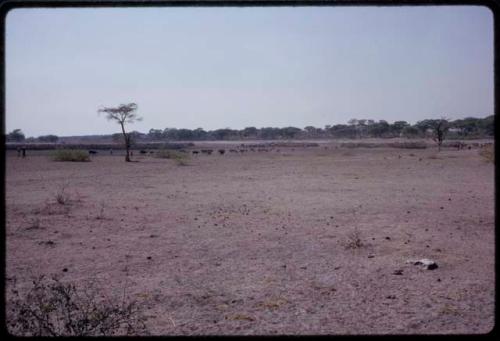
124 113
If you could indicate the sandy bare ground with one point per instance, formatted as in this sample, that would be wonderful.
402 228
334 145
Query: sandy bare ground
256 243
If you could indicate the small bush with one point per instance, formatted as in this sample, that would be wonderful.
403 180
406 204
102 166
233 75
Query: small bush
53 308
180 158
70 155
488 153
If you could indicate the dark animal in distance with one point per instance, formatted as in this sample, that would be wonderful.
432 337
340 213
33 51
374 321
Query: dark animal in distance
92 152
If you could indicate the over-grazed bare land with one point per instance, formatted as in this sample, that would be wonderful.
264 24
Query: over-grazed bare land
257 243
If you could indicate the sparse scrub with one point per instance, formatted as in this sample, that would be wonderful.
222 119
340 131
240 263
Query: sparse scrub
76 155
53 308
180 158
488 153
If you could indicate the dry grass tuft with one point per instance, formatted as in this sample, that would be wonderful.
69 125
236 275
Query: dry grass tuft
62 197
273 303
354 240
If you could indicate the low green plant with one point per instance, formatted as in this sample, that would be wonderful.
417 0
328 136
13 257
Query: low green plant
180 158
76 155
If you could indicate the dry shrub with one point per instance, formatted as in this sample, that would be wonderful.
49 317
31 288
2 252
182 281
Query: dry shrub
62 197
35 224
488 153
53 308
70 155
102 206
353 240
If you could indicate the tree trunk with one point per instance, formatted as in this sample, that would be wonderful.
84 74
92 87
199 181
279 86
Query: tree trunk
127 144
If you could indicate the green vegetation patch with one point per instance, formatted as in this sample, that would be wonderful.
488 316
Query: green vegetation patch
179 157
70 155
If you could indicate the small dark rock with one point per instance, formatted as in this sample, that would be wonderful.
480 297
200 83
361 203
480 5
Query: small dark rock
442 207
388 238
397 272
65 270
371 256
432 266
149 257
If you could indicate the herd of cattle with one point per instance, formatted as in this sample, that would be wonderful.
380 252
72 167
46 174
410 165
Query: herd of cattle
203 151
273 148
240 149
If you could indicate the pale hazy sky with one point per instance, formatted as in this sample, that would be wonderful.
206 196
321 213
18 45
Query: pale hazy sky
247 66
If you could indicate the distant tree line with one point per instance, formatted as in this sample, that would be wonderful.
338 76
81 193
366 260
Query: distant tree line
355 128
18 136
467 128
